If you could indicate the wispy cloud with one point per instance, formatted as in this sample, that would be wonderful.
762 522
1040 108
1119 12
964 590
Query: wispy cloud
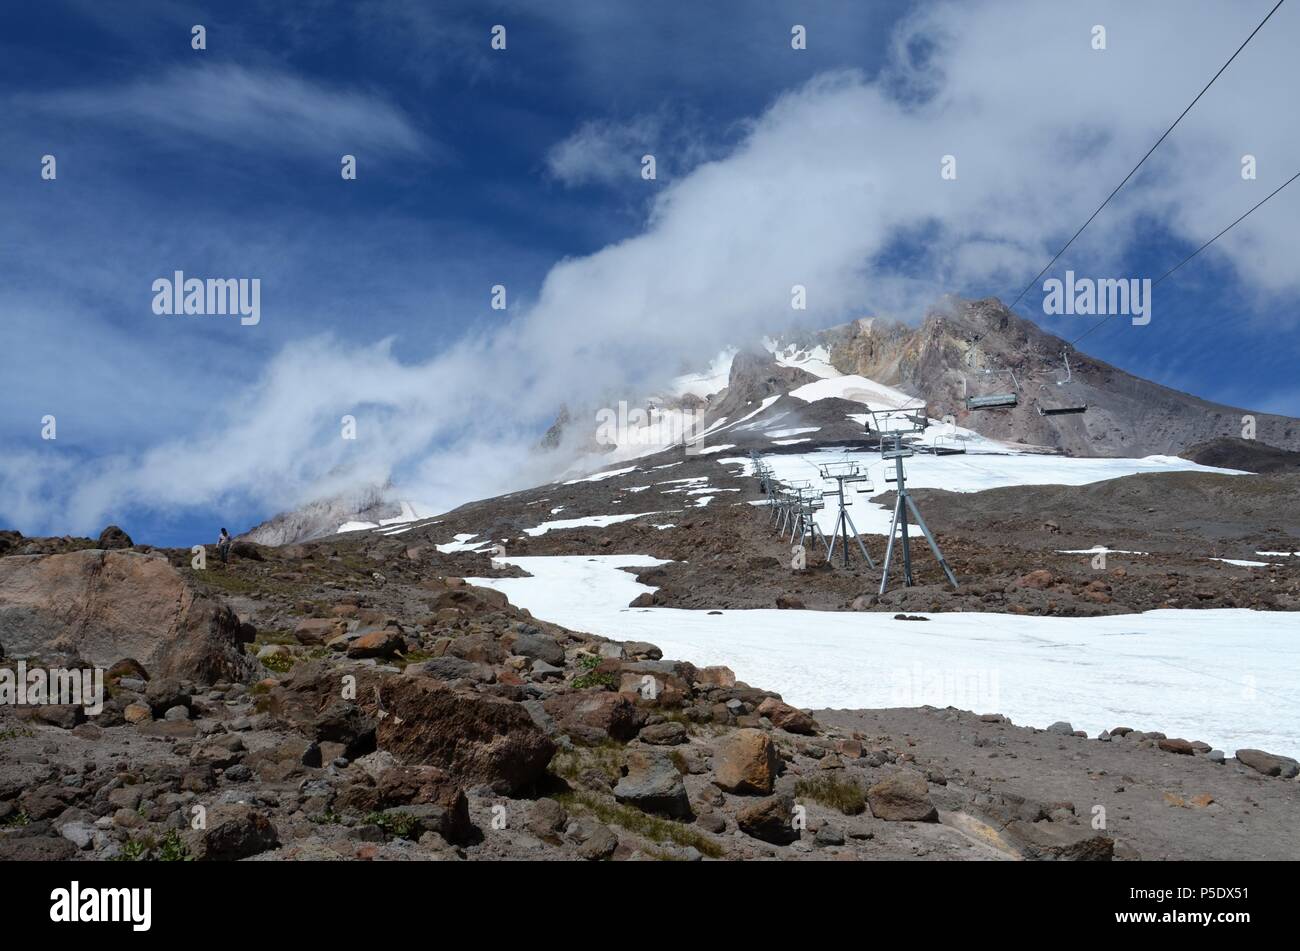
245 108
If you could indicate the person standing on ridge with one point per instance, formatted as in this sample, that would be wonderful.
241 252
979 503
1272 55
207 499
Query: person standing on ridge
223 545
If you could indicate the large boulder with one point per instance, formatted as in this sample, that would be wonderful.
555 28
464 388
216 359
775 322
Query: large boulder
653 784
746 762
473 737
1270 764
103 606
902 797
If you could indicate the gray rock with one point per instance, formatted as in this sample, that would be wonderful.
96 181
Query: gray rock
1062 728
449 668
81 834
653 784
544 671
1215 756
177 712
594 839
828 835
539 647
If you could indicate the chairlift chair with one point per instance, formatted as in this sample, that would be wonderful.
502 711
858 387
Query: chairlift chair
1067 407
1003 400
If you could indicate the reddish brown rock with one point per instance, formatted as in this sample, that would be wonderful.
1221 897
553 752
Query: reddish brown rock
786 717
614 715
473 737
746 762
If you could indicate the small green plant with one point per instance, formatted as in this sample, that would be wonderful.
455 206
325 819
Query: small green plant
844 795
398 824
588 661
327 818
135 849
172 848
15 821
604 681
279 663
14 733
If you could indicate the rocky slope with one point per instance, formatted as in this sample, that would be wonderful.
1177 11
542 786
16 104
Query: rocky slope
392 711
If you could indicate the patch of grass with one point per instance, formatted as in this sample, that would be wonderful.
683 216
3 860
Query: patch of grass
414 657
635 821
15 733
679 761
327 818
606 757
285 638
833 793
16 821
588 661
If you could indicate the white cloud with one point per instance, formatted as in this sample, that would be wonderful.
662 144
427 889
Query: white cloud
826 180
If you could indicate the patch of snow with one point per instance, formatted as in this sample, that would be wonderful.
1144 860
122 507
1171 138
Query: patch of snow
589 521
711 449
712 380
461 543
816 361
356 526
856 389
1099 550
1230 677
783 433
601 476
1242 564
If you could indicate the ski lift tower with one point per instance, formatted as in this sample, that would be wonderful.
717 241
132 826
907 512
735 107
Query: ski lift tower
843 472
893 447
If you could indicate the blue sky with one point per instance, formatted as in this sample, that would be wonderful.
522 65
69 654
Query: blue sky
521 167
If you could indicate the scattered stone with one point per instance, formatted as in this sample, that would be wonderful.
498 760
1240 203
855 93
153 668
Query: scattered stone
669 733
769 820
786 717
